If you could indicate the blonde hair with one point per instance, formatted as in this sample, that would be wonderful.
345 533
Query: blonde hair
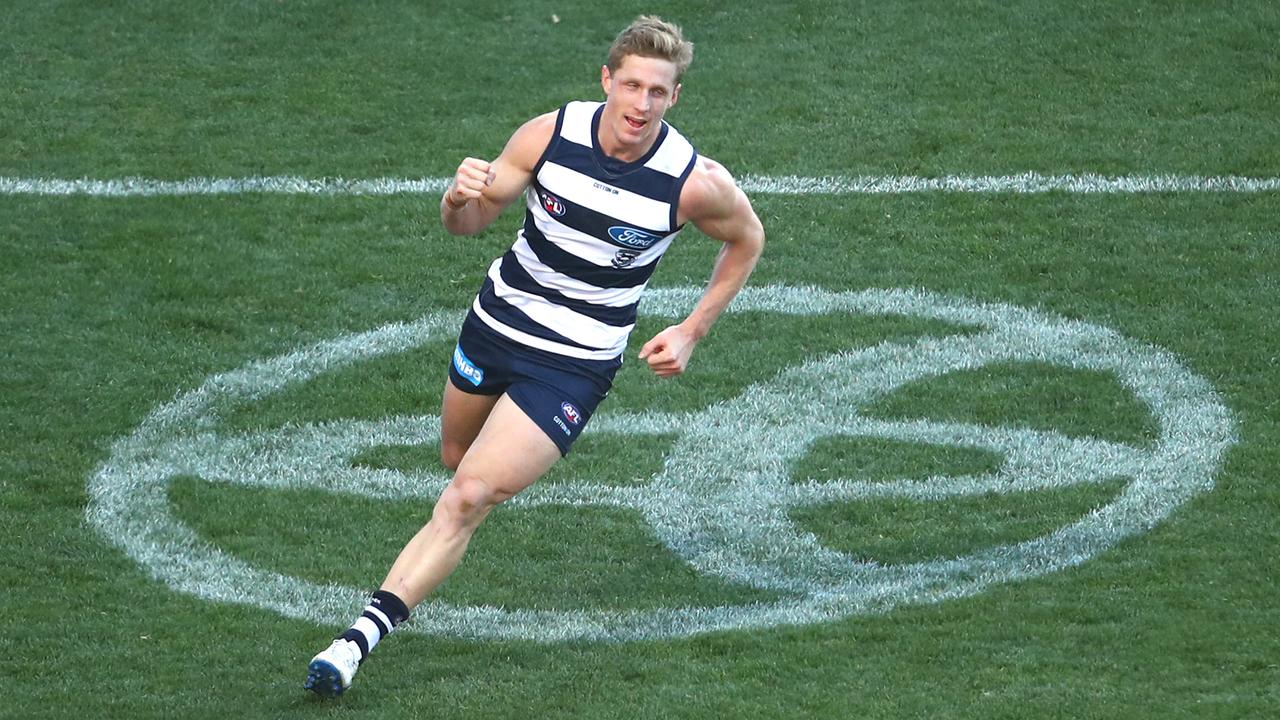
651 36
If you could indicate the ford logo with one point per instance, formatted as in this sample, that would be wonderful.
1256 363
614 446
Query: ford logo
631 237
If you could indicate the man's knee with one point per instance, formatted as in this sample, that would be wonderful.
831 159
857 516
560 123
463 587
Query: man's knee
451 454
469 498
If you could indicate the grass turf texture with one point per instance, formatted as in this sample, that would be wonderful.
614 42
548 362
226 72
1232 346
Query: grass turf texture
110 307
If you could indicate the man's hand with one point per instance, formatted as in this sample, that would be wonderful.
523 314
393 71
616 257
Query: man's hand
481 189
473 176
668 352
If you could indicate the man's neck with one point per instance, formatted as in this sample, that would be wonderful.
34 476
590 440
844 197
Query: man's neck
617 151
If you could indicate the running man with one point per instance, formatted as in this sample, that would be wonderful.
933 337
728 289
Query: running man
607 187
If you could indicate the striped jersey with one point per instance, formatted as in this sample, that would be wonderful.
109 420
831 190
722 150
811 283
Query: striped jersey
594 231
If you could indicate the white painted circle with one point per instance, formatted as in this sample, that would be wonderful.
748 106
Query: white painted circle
721 501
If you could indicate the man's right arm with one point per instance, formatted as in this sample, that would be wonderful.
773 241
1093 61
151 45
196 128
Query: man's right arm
481 190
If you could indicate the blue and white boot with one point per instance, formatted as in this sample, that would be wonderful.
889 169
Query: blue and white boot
331 670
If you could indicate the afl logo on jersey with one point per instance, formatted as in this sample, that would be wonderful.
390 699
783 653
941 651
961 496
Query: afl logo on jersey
632 238
552 204
571 413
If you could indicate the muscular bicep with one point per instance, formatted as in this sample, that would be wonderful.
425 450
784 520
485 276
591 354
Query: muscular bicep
512 170
738 223
719 208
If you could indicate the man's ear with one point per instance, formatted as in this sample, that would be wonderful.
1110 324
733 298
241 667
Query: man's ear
606 81
675 95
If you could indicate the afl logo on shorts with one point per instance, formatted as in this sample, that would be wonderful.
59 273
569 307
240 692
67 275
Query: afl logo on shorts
571 413
552 204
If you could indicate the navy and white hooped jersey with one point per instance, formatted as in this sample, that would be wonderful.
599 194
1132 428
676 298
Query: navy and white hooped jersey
594 230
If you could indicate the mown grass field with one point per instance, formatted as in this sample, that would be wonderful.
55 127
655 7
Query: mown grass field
112 307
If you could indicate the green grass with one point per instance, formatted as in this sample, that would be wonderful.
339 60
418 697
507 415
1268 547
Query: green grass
602 558
906 531
111 307
1034 395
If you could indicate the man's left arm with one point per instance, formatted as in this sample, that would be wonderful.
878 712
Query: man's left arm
718 207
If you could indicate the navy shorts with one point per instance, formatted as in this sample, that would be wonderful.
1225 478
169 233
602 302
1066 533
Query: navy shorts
558 393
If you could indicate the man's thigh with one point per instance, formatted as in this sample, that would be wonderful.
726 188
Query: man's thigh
510 452
462 415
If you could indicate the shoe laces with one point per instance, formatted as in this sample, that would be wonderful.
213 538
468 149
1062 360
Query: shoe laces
347 651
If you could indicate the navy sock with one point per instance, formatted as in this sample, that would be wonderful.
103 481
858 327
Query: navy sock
383 613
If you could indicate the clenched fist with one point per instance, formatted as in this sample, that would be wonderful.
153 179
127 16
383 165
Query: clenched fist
668 352
473 176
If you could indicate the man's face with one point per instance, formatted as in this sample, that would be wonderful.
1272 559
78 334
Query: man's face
637 96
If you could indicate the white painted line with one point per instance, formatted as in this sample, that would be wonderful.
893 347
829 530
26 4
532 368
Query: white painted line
280 185
1026 183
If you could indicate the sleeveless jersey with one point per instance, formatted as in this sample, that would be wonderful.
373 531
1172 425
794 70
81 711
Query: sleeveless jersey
594 231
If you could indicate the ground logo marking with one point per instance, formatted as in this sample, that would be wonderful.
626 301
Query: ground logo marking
722 499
